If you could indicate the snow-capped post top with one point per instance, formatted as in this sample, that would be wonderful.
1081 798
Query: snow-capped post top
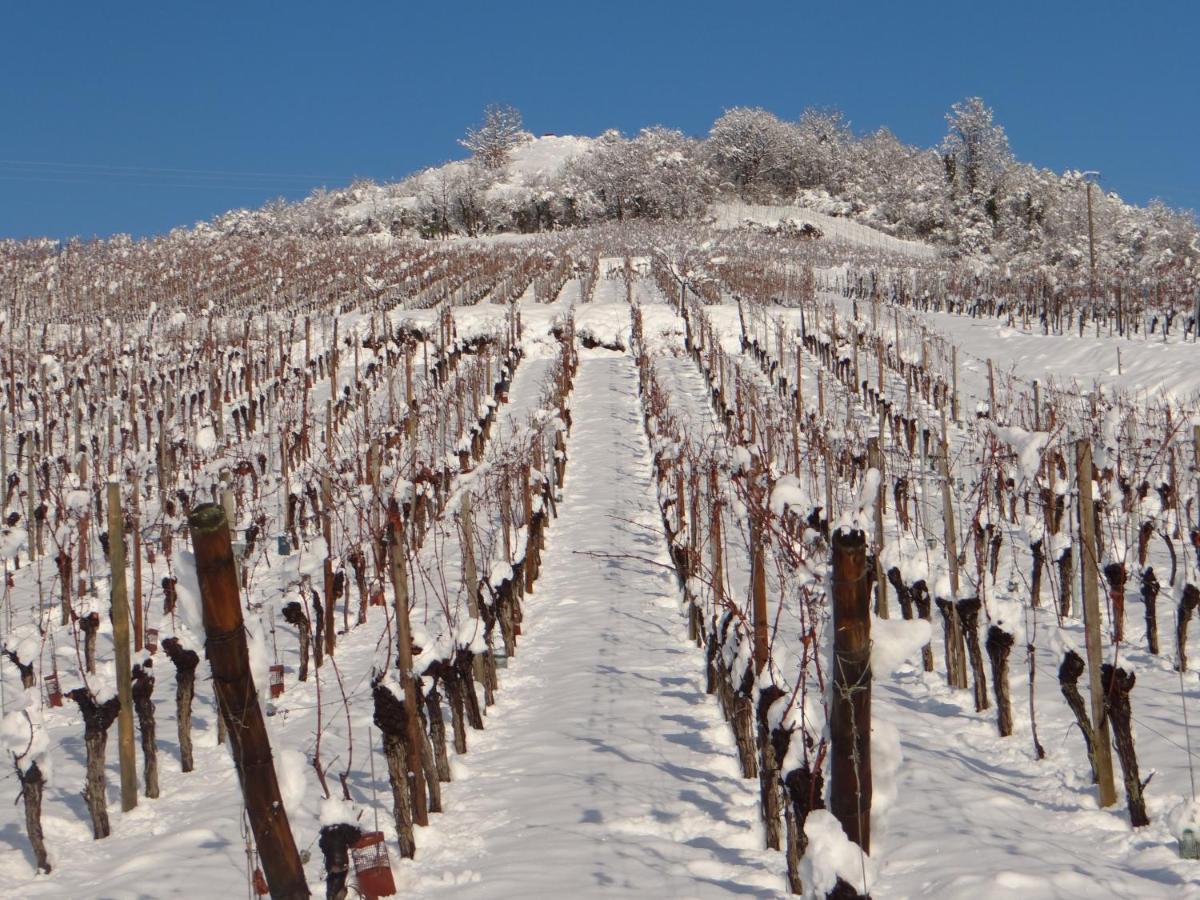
862 516
210 530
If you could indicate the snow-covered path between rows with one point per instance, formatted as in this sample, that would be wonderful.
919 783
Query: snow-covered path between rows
605 769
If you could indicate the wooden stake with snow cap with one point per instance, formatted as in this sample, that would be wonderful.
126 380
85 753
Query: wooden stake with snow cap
1091 622
758 569
238 702
850 706
415 737
120 620
875 460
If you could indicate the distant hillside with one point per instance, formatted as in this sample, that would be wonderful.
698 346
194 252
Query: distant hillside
969 198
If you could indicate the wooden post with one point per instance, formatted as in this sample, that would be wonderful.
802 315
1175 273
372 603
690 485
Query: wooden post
875 461
715 546
230 660
1196 444
799 379
948 518
1091 621
120 620
330 624
31 500
139 629
758 575
855 387
404 659
470 573
954 383
4 457
991 391
850 706
881 361
956 665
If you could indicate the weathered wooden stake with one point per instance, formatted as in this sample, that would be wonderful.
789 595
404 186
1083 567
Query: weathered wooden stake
875 461
1091 622
120 620
238 702
850 705
415 737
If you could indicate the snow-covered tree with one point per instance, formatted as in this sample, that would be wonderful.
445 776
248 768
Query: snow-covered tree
975 148
755 153
824 139
492 141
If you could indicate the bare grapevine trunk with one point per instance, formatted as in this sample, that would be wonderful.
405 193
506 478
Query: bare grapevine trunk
968 620
1068 680
1039 563
335 842
1117 684
88 625
1114 574
293 614
804 794
903 593
392 723
1064 583
768 770
1150 590
457 716
97 717
463 662
28 678
956 664
428 761
143 687
920 597
1187 606
33 784
437 731
999 644
185 688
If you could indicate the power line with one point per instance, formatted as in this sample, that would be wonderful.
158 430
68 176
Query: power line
147 169
167 184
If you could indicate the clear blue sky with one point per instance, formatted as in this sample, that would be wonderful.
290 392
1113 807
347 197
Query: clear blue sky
257 99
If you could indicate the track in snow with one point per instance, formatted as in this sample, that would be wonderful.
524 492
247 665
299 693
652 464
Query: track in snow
606 769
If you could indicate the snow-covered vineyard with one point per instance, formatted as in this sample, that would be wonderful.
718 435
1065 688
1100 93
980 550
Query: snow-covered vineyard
646 561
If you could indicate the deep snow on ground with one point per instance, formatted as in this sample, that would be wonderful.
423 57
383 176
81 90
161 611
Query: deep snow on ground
605 769
1145 367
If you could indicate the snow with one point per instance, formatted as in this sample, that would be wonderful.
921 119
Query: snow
895 641
605 323
291 771
605 767
848 231
830 856
23 733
